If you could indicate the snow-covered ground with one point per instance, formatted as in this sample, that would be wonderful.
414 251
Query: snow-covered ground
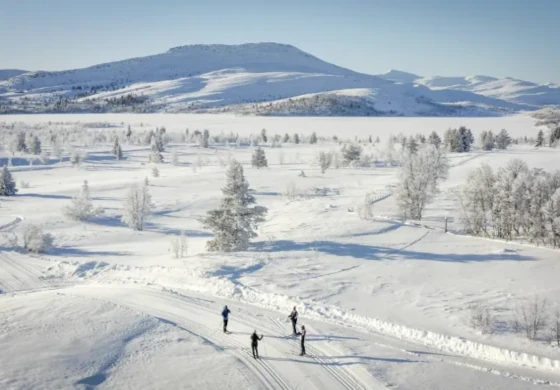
386 303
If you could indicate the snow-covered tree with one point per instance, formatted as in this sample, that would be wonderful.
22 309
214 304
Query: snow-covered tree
75 157
503 140
57 148
155 171
264 138
258 160
286 138
81 207
419 178
19 142
487 140
296 138
128 133
377 140
313 138
35 240
434 139
411 145
174 158
34 145
7 183
325 160
540 139
117 150
137 207
351 153
235 221
205 138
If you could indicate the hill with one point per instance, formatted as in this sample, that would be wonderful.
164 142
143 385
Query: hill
254 79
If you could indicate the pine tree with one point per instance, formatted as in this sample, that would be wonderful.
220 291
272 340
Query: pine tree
156 156
503 140
34 145
128 133
286 138
370 140
205 139
174 158
234 222
434 139
80 208
263 136
117 150
313 138
411 145
155 171
460 143
540 139
20 142
377 140
296 138
7 183
258 159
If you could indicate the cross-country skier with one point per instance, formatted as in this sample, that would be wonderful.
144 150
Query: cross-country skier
255 344
303 333
225 315
293 316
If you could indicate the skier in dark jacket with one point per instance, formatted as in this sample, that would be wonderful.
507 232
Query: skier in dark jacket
303 333
294 316
255 344
225 315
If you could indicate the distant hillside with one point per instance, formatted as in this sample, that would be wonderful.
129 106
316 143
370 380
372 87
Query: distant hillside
253 79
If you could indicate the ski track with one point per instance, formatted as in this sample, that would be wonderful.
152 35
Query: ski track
15 276
265 371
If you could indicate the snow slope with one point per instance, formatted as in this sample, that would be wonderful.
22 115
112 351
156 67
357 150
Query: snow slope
237 78
386 304
6 74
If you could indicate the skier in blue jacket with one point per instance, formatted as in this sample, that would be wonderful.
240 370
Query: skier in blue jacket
225 315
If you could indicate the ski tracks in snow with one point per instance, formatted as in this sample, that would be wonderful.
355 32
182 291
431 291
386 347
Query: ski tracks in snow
277 368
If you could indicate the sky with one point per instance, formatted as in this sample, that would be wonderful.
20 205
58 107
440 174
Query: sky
501 38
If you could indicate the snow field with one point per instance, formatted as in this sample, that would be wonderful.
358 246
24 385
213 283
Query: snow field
408 285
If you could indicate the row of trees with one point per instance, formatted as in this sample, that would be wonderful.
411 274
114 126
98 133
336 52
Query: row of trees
513 202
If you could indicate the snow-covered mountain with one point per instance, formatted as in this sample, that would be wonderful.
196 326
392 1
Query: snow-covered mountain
6 74
255 78
508 89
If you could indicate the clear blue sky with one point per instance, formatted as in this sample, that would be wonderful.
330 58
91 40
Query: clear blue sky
516 38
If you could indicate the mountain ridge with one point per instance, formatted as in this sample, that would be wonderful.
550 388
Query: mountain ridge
242 79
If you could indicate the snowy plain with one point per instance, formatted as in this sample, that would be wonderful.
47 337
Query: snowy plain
386 303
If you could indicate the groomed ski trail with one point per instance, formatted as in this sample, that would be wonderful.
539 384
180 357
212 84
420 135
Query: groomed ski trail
277 367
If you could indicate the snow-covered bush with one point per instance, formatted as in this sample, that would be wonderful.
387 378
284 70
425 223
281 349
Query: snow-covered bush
234 222
325 160
155 171
35 240
137 207
75 157
365 209
532 315
351 153
174 158
24 184
81 207
179 245
419 177
291 191
481 317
